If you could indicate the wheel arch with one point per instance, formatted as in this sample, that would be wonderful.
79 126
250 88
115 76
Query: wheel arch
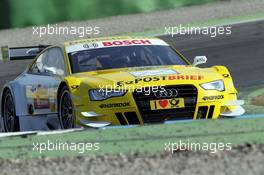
5 89
18 92
62 84
8 89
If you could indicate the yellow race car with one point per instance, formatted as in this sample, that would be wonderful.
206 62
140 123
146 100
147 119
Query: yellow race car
113 81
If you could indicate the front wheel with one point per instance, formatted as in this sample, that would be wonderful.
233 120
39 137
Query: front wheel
66 109
11 122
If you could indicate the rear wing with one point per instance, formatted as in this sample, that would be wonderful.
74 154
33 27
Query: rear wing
21 53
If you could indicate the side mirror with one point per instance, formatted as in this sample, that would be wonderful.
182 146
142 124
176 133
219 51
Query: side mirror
199 60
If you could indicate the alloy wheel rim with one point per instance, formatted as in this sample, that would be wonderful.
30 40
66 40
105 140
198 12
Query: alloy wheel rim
9 113
66 111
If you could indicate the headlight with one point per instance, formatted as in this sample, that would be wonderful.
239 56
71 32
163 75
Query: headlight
214 85
100 94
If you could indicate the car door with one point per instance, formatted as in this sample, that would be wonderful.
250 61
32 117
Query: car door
42 80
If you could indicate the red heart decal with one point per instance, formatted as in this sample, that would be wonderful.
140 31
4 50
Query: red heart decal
163 103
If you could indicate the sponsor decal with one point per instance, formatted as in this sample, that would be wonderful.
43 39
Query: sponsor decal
115 105
114 43
167 103
210 98
96 40
41 103
33 89
153 72
127 42
161 78
41 98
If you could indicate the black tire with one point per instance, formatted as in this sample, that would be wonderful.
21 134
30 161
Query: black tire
11 121
66 109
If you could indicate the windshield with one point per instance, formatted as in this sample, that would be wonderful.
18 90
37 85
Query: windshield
123 57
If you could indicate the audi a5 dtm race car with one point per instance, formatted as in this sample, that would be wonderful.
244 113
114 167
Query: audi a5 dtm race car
113 81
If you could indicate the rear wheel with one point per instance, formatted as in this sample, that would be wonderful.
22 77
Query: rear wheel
65 109
11 122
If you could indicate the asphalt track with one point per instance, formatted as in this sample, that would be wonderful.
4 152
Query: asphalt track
242 52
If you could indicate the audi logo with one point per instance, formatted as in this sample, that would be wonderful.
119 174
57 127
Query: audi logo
166 93
92 45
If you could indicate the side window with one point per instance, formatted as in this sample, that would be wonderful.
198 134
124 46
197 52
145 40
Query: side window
50 62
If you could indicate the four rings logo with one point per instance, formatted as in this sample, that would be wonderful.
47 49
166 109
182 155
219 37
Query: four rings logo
166 93
91 45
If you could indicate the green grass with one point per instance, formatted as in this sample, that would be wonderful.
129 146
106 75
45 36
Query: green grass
247 94
146 139
30 12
